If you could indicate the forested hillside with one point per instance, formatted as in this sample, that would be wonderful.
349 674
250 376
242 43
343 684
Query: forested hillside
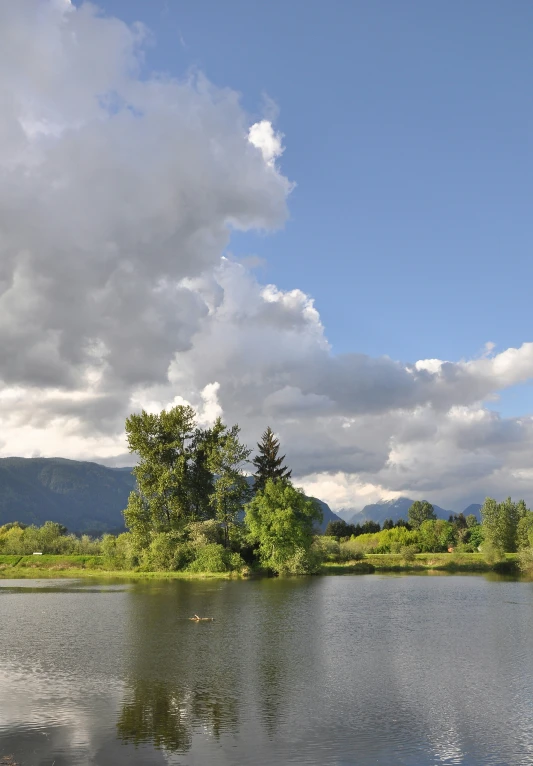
85 497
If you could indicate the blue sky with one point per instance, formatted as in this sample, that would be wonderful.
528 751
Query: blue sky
408 133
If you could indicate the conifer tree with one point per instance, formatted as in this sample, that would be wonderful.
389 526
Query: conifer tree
267 462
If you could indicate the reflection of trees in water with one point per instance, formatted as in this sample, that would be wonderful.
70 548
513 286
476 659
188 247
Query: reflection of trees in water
156 713
166 715
179 680
283 646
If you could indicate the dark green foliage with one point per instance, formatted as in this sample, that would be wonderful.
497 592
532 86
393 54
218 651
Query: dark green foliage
419 512
339 529
388 524
231 488
267 462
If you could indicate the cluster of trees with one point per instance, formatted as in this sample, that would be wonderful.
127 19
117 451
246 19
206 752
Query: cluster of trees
195 508
423 531
23 540
505 527
508 526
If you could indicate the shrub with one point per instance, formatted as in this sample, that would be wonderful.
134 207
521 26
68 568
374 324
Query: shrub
492 554
409 552
326 547
351 550
302 562
525 559
166 552
215 558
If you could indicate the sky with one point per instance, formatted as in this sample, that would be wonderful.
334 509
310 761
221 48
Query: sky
307 215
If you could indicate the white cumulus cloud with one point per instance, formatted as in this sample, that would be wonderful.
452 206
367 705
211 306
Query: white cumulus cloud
119 190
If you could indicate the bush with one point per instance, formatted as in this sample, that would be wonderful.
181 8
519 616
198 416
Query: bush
327 548
492 554
119 552
525 560
408 552
215 558
302 562
166 552
351 550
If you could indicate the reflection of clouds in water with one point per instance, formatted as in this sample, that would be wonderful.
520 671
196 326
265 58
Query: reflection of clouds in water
320 670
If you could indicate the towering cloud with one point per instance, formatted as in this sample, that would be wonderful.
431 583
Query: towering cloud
119 190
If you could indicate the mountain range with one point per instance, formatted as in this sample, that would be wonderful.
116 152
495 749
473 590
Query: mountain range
83 496
397 509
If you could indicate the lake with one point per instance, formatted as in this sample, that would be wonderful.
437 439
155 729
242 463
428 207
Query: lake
325 670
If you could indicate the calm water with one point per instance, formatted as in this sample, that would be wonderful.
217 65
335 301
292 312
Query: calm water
331 670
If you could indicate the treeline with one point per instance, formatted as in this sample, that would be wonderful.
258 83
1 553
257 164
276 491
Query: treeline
23 540
506 527
430 535
196 509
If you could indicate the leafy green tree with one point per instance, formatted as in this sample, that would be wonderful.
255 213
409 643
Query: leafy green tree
471 520
419 512
280 520
500 523
435 535
267 462
524 530
205 446
476 538
231 488
164 443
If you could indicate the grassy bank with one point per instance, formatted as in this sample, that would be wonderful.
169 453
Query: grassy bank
35 567
444 562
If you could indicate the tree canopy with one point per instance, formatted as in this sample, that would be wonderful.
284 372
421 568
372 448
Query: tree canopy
267 462
280 519
419 512
185 473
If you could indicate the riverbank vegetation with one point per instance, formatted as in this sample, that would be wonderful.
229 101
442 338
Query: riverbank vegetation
195 511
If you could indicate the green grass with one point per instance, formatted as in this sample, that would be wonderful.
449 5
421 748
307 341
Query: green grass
444 562
47 566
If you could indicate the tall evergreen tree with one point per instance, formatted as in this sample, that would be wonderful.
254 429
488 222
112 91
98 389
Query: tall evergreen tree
268 464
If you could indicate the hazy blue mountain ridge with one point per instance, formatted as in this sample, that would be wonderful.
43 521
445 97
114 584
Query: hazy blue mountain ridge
81 495
398 509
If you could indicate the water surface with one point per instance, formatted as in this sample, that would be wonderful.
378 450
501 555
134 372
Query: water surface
332 670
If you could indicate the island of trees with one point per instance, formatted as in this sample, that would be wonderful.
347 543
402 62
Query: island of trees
196 509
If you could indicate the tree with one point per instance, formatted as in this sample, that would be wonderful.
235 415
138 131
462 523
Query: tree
280 519
339 529
231 488
500 523
267 462
174 479
524 531
435 535
419 512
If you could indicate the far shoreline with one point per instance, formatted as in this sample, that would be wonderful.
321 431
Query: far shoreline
75 567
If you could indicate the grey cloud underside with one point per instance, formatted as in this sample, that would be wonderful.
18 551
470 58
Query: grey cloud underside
100 223
119 191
